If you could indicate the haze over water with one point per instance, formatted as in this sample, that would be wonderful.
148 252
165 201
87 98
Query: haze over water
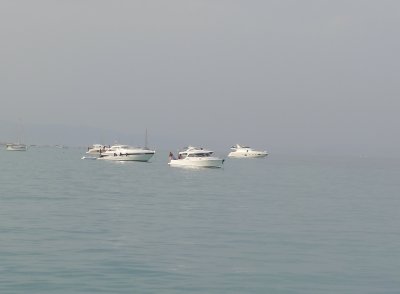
290 76
284 224
293 77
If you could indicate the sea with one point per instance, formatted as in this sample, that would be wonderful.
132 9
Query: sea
282 224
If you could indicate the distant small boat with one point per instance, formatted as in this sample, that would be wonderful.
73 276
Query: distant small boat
16 147
246 152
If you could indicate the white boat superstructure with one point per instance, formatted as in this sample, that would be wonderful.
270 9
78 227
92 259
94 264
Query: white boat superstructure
239 151
16 147
96 149
126 153
195 157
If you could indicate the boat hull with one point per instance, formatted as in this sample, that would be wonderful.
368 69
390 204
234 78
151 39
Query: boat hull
93 152
16 147
197 162
90 157
128 157
253 154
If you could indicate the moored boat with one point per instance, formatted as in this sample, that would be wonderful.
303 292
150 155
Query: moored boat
195 157
96 149
16 147
239 151
126 153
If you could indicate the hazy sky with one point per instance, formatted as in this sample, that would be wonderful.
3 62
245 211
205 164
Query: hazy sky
287 76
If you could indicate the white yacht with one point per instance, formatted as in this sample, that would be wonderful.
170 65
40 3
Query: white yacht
126 153
96 149
239 151
16 147
195 157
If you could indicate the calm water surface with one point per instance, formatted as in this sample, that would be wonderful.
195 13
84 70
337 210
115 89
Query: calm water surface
276 225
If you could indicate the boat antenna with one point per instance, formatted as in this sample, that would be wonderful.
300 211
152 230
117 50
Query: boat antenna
145 140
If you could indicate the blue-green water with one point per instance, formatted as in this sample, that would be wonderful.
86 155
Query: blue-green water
276 225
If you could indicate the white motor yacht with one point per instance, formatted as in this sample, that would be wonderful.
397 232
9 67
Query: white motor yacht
246 152
239 151
96 149
16 147
126 153
195 157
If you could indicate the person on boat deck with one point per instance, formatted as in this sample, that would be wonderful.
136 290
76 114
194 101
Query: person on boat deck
171 156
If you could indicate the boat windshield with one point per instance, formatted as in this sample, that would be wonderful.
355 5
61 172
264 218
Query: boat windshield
199 154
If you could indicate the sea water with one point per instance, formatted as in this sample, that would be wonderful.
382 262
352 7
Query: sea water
283 224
